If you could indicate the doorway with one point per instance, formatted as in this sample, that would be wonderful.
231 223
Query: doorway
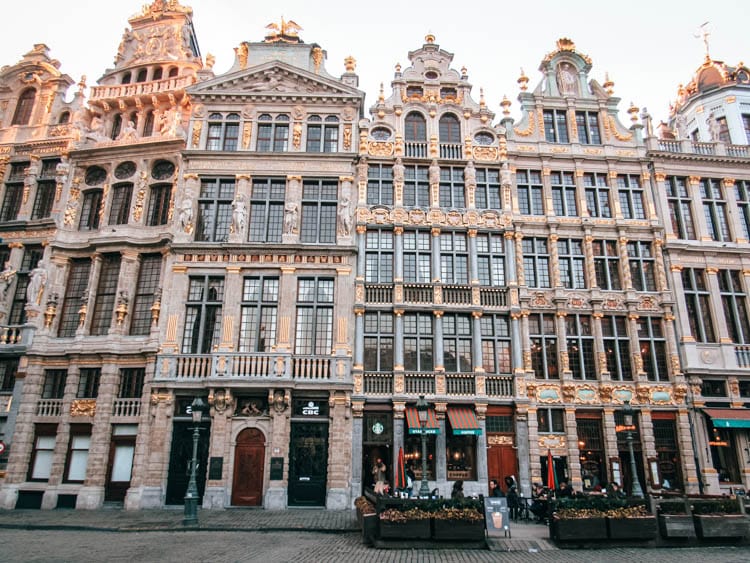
308 463
501 461
249 461
179 461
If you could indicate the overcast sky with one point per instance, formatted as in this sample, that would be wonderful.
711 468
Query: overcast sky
647 47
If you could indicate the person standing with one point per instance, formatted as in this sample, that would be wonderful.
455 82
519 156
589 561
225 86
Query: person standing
378 475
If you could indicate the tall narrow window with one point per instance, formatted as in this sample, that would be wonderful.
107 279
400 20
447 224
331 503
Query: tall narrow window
734 302
641 261
490 259
90 210
203 314
45 190
314 323
607 264
106 292
25 106
536 262
379 256
698 304
54 383
214 209
457 336
449 130
723 130
746 123
487 193
32 254
587 123
379 184
78 282
149 276
260 301
597 195
120 209
273 133
78 453
131 383
580 334
44 451
564 194
454 258
417 257
653 348
116 126
742 195
543 340
572 263
378 341
418 342
530 192
148 124
267 209
223 132
555 125
416 186
452 188
322 135
631 196
8 369
415 135
496 355
319 211
680 208
88 383
715 210
617 347
158 205
13 192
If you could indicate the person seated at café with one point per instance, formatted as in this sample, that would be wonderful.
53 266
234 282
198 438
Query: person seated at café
614 490
495 490
565 490
514 502
458 490
540 503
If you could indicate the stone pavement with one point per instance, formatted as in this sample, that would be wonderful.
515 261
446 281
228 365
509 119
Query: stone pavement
524 536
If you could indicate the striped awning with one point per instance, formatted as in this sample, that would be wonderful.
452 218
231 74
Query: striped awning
463 421
729 418
412 419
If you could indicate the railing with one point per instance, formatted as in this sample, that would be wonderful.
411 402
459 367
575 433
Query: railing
456 295
459 384
413 149
453 152
127 408
493 297
193 367
418 293
670 146
704 148
419 384
499 386
378 293
456 384
49 407
742 353
378 384
16 335
312 368
738 150
140 88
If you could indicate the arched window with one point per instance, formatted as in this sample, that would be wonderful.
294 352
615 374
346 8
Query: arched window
24 107
142 75
223 132
322 137
64 118
450 129
173 72
273 133
116 126
157 73
126 78
148 124
415 127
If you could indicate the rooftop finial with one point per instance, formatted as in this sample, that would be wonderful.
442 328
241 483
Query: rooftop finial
703 32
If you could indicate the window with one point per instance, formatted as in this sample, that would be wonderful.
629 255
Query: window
543 341
449 130
667 451
551 420
319 211
564 194
273 133
120 210
13 192
587 123
496 355
653 348
379 184
314 323
54 383
555 126
484 139
723 130
418 342
530 192
460 454
223 132
31 256
452 192
378 351
713 388
579 329
631 196
746 123
416 186
500 424
698 304
116 126
322 136
8 368
88 383
597 195
106 291
158 205
745 389
457 343
487 192
680 208
45 190
591 450
131 383
142 74
572 263
617 348
25 106
203 314
44 450
148 124
260 301
490 259
214 209
417 257
380 134
267 209
415 127
379 256
536 262
78 282
146 290
78 453
734 302
715 210
90 210
607 264
454 258
641 261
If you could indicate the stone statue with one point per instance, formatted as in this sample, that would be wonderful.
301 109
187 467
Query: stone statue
96 131
290 218
398 171
6 279
239 216
345 216
186 212
37 282
714 129
505 179
164 123
567 80
128 132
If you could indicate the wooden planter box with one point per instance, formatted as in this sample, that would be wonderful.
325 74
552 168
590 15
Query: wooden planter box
457 530
369 525
578 529
632 528
411 529
722 525
676 526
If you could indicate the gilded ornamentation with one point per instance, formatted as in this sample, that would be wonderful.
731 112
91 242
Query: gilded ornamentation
531 390
552 442
247 130
529 129
605 391
495 440
140 197
242 53
347 137
398 383
642 393
196 138
619 136
358 384
285 32
83 407
296 134
440 384
679 392
220 400
734 387
380 148
485 154
156 309
71 209
122 308
317 57
569 392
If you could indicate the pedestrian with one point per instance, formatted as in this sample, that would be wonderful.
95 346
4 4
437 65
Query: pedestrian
495 490
458 490
378 476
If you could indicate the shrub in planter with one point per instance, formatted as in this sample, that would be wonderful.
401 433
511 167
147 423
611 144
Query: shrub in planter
458 524
631 523
720 518
675 521
412 523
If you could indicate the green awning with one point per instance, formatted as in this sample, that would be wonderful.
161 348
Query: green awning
729 418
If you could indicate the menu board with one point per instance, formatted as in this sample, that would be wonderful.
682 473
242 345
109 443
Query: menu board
497 516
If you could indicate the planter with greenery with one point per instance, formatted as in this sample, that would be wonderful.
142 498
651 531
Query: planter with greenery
720 518
412 523
594 518
633 522
458 524
367 518
675 519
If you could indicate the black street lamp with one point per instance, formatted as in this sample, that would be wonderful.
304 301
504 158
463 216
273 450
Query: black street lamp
191 495
627 415
422 409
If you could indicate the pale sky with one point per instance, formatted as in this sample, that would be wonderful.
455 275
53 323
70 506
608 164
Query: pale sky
647 47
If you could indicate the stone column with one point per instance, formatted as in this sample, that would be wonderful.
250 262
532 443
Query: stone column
649 447
476 342
435 255
533 452
280 412
611 450
87 303
701 227
574 454
524 452
222 407
438 342
588 251
126 288
361 252
441 464
554 257
687 453
30 183
482 475
615 196
357 437
622 247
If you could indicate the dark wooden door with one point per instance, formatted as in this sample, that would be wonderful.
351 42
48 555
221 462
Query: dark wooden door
501 462
308 464
119 468
249 460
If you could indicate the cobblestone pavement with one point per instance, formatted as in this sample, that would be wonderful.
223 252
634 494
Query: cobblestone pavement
53 546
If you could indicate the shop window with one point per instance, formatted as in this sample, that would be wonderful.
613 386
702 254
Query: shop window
591 453
667 452
723 455
78 453
460 455
745 389
413 453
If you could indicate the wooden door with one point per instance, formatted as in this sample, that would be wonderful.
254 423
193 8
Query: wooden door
501 462
119 468
249 460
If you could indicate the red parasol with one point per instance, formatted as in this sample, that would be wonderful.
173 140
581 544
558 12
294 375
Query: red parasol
551 477
400 471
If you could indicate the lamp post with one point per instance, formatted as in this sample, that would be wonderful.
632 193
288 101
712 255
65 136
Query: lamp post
191 495
422 408
627 415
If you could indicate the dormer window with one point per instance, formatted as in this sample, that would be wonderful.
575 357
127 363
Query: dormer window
126 78
431 75
223 132
484 139
380 134
414 91
555 126
157 74
448 93
587 123
142 75
24 107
